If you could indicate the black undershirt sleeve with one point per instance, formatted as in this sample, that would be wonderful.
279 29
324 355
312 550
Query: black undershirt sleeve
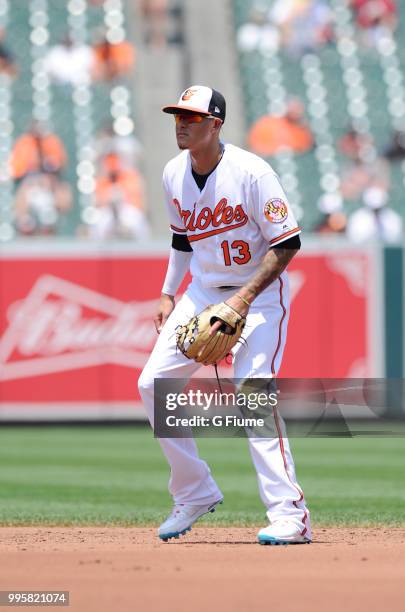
180 242
290 243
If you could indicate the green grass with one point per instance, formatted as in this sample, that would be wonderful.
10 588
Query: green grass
117 476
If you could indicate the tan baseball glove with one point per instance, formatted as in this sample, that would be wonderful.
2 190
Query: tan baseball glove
193 338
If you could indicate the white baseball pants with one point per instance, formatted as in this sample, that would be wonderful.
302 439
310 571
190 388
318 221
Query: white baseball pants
191 481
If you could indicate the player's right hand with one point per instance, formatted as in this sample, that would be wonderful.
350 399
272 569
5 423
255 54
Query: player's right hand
165 308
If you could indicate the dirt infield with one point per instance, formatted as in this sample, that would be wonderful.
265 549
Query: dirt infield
208 570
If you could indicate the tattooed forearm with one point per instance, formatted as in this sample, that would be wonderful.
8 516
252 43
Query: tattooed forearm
274 263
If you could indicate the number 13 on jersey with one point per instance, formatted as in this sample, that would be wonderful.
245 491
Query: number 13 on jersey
237 252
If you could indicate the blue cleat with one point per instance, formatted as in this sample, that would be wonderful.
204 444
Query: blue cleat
182 518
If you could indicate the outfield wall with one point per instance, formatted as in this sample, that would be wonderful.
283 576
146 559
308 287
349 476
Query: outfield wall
76 322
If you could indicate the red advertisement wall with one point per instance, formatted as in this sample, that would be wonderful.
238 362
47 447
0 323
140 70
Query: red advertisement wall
330 316
79 329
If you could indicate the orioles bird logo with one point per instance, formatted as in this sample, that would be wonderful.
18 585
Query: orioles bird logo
189 93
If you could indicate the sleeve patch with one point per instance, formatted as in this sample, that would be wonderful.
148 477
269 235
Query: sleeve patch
275 210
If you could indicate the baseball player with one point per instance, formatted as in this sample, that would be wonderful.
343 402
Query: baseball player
234 229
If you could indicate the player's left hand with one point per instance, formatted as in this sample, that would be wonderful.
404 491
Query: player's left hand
237 304
194 338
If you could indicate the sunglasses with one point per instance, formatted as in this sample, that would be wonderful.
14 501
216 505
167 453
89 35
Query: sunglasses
190 118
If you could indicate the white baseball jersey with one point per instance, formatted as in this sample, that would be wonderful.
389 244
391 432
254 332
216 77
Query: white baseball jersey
232 222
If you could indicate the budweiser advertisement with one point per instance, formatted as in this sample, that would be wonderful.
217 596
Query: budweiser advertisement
77 328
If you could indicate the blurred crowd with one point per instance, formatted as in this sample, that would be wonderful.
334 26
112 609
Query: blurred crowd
360 206
42 196
365 185
68 63
40 165
301 26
